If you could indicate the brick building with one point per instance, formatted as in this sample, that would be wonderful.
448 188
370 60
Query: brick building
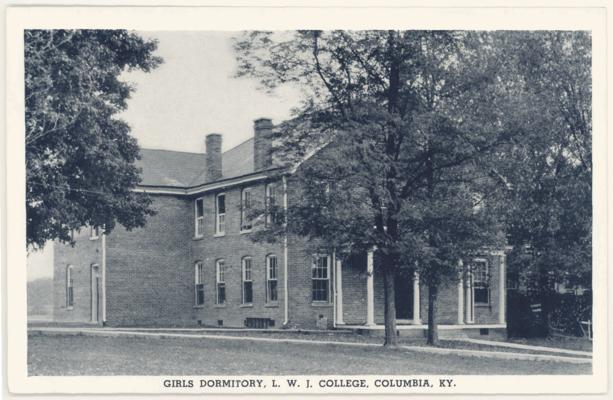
194 263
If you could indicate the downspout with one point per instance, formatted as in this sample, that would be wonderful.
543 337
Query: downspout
285 262
335 293
103 278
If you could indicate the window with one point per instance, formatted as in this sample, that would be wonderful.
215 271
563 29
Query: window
94 232
220 214
271 279
481 281
220 267
199 223
271 204
199 283
321 278
69 287
247 281
246 204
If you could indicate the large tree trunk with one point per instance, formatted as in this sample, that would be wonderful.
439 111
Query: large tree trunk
432 314
390 307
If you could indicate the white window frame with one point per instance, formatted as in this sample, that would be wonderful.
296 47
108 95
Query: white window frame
270 278
481 284
246 224
220 281
198 219
220 218
198 282
246 278
314 268
69 287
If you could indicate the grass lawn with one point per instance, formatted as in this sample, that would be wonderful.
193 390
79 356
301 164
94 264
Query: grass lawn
86 355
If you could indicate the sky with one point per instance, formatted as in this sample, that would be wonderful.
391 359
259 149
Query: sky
193 93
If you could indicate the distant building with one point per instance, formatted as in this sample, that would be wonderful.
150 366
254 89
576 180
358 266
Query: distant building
195 264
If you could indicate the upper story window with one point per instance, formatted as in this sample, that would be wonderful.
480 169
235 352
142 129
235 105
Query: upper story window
94 232
247 269
220 214
271 279
320 270
246 205
199 218
199 283
220 272
481 281
272 203
69 287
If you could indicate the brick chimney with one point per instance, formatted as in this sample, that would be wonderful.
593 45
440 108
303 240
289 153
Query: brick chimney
262 144
213 157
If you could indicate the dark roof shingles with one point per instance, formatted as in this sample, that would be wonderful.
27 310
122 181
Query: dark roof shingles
183 169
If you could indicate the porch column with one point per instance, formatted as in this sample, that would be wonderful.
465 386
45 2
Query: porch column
502 289
416 299
469 298
370 290
460 299
339 292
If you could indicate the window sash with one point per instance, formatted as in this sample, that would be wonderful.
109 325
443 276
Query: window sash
271 201
246 204
69 287
220 214
199 284
199 217
247 295
220 284
321 278
481 287
199 294
271 279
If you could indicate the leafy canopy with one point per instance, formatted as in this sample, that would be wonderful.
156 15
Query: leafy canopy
79 156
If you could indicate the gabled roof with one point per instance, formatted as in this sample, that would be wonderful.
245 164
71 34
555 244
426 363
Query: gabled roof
167 168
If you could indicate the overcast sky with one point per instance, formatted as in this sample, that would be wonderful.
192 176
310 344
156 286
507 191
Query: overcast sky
192 93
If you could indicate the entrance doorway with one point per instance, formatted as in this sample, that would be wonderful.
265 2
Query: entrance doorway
403 288
95 292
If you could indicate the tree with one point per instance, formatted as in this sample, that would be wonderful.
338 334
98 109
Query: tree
404 125
79 156
550 169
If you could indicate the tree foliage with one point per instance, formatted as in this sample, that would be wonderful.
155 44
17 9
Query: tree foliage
550 168
79 155
405 125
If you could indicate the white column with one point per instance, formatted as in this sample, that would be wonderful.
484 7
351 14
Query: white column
339 292
469 299
460 300
502 289
416 299
103 273
370 290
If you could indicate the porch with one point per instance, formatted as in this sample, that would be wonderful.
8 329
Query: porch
465 309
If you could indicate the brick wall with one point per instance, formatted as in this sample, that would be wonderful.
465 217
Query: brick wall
232 248
82 256
149 278
150 274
